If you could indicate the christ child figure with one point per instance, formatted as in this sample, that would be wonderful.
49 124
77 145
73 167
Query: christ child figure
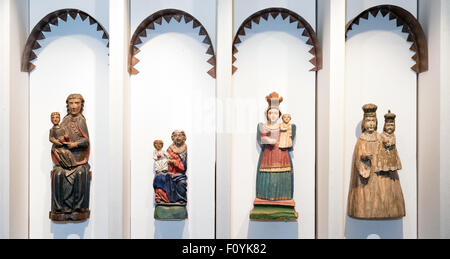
59 137
160 156
387 155
286 132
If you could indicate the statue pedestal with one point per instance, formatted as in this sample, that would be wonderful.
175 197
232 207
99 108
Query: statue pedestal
266 210
74 216
170 211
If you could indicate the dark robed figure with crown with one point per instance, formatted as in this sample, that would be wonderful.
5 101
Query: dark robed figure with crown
275 178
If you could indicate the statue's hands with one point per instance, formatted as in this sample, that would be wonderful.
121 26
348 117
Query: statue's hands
366 157
172 161
71 145
269 141
365 171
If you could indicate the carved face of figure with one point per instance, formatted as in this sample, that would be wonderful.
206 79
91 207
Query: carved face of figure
178 138
370 124
55 118
74 105
286 118
389 127
158 144
273 115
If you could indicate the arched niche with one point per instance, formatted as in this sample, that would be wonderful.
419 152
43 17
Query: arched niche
174 89
379 70
43 25
72 53
274 49
293 18
167 15
409 24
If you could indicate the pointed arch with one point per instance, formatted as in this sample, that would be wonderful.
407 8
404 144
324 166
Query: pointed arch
167 14
308 31
44 26
410 25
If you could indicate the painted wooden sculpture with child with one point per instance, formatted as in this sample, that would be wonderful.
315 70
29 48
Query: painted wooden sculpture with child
275 172
170 181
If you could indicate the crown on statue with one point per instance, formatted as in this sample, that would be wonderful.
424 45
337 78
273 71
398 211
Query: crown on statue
370 110
274 100
389 117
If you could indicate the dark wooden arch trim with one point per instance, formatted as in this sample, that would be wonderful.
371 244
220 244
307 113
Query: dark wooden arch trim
44 26
410 26
167 14
309 32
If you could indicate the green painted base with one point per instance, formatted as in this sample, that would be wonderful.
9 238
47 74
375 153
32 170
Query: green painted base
170 212
273 213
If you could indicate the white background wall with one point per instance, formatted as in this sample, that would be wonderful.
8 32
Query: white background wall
173 91
445 120
378 62
4 120
273 56
330 119
73 59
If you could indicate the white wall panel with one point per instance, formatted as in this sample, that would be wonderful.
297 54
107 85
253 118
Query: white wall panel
4 119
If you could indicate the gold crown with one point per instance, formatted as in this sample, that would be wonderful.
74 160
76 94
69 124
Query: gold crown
370 110
274 100
389 117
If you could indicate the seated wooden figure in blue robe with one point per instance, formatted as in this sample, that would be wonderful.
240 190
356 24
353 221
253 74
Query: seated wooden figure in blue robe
170 182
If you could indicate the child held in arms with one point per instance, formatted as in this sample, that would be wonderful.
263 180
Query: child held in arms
59 138
286 132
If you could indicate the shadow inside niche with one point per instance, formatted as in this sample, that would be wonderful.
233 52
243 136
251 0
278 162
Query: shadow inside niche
69 230
358 130
171 229
272 230
373 229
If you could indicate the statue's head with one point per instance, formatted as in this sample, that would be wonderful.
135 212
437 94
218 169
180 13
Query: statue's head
273 112
178 137
75 104
286 118
158 144
55 117
370 122
389 122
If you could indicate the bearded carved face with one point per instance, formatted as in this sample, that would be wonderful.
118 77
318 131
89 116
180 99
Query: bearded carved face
178 138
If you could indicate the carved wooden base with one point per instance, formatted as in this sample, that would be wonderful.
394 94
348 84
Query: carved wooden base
265 210
170 211
74 216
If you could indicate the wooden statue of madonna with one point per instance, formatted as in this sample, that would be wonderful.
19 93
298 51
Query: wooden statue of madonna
170 181
71 175
275 178
375 191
